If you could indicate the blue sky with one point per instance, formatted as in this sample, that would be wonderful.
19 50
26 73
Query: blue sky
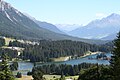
67 11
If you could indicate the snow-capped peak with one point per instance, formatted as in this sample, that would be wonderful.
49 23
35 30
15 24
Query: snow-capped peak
4 5
113 16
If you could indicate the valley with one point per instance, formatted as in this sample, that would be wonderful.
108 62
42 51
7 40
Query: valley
27 64
61 42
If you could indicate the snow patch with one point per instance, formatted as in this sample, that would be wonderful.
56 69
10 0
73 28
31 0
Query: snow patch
8 16
18 12
4 5
15 19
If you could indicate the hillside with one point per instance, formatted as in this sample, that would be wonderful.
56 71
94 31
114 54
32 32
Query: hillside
15 24
49 26
45 25
110 37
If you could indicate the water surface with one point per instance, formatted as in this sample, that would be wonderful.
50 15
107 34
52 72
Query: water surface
28 66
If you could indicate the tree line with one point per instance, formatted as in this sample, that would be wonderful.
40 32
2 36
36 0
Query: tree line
2 42
67 70
10 53
96 72
111 72
53 49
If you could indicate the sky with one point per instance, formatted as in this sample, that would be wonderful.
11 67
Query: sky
67 11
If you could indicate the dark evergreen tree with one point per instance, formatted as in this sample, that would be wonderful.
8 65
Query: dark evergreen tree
115 61
2 42
37 75
67 70
99 72
19 75
10 53
14 66
5 72
29 73
62 76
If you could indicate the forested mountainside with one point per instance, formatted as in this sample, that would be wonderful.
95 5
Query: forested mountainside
15 24
54 49
2 42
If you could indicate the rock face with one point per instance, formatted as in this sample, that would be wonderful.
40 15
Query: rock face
4 6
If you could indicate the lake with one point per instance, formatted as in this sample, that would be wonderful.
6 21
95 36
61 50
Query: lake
28 66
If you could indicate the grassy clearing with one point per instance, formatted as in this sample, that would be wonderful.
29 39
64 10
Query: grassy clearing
21 71
25 78
72 77
48 77
51 77
7 40
61 59
54 77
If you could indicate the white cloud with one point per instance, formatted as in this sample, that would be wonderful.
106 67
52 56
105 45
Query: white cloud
100 15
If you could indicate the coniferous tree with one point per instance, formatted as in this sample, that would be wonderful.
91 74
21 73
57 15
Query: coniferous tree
37 75
19 75
2 42
99 72
62 76
5 72
14 66
115 61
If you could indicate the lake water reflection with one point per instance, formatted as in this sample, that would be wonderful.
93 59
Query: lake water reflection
29 66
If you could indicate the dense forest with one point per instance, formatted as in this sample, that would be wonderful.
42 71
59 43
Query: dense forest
2 42
86 71
54 49
9 52
67 70
50 49
111 72
98 72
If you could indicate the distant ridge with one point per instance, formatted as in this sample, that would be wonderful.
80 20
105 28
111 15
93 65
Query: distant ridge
99 29
45 25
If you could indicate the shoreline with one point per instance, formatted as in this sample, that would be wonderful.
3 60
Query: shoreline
89 53
69 57
64 58
61 59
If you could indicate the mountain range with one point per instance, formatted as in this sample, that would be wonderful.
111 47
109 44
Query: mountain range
67 27
45 25
105 29
15 24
